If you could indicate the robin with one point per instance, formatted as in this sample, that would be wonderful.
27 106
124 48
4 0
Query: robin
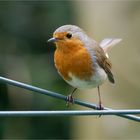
81 61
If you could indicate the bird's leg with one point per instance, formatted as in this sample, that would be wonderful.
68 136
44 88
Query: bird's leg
100 102
69 98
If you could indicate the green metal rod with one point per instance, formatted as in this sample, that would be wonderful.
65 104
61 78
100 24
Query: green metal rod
60 96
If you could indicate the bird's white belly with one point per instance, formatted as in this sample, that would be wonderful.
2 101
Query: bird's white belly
97 79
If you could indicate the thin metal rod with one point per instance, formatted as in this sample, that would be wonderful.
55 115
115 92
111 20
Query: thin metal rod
65 113
60 96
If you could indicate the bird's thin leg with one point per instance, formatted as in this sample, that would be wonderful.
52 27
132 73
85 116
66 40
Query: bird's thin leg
70 98
100 101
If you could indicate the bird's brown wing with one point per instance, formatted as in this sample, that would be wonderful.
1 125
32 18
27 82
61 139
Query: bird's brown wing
104 62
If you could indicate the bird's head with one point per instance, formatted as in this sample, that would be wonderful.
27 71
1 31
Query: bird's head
68 36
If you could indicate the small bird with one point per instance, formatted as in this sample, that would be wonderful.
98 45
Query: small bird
81 61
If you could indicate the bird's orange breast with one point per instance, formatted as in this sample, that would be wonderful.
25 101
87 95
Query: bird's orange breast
73 59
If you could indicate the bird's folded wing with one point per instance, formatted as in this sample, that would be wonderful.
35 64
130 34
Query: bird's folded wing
104 62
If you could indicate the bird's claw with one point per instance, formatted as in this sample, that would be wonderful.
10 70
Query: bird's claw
100 106
69 99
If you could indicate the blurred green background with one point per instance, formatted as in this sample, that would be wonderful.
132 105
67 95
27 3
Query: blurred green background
25 56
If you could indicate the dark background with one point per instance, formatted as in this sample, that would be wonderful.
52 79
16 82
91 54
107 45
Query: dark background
25 26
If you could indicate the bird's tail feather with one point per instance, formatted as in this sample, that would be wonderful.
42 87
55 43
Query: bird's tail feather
108 43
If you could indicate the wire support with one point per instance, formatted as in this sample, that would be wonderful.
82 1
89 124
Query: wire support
66 113
62 97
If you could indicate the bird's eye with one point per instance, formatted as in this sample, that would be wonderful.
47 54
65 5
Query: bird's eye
69 35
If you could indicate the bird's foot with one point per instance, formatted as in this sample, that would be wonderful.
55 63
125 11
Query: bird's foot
100 106
69 99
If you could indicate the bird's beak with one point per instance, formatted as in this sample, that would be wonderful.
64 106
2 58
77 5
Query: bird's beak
52 40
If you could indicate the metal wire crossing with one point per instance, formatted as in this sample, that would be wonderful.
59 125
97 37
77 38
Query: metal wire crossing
107 111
